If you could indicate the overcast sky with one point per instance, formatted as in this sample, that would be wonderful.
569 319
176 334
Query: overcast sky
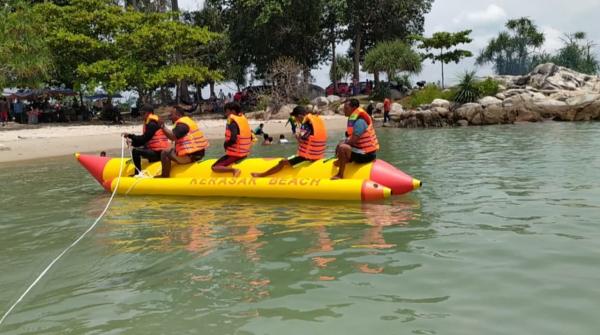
486 18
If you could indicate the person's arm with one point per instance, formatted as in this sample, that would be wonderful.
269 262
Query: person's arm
140 140
178 132
305 131
235 131
360 126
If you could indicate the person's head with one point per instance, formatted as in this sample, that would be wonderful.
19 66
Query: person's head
175 113
282 137
299 113
146 110
261 126
232 108
103 154
350 106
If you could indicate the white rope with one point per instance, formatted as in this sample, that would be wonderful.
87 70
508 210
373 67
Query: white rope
41 275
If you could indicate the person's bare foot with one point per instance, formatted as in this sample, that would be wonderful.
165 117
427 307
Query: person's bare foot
336 163
236 173
336 177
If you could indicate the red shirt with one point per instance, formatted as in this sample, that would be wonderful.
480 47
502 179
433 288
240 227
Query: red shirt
387 104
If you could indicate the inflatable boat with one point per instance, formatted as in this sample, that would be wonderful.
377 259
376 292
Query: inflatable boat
308 180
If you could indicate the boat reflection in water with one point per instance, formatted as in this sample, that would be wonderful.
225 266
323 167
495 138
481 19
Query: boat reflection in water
249 246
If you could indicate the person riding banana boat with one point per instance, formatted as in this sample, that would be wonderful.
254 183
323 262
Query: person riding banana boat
190 143
238 140
312 142
151 143
361 144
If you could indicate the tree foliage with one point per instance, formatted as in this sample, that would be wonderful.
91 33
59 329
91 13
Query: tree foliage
342 70
393 58
371 22
577 54
445 43
512 52
25 59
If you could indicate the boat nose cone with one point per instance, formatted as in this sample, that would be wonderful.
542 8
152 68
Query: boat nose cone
372 191
389 176
94 164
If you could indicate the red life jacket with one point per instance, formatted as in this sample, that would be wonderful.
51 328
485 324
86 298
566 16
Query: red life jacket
159 141
314 147
368 140
193 141
243 142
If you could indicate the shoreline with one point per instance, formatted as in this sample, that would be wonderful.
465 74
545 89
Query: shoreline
63 140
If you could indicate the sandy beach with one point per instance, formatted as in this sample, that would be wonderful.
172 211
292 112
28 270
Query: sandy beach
60 140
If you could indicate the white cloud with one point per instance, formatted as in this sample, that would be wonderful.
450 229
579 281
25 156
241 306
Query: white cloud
553 38
491 14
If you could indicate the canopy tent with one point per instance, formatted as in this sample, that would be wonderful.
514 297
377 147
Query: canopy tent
41 93
100 96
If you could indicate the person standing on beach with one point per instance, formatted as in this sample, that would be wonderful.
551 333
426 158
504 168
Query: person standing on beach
238 140
4 109
292 122
151 143
387 108
190 143
361 144
312 141
19 111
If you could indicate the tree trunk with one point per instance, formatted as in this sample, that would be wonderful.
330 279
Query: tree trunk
212 88
442 61
376 77
175 5
334 65
357 47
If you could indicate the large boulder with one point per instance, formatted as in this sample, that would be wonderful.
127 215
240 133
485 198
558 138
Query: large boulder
440 103
333 98
397 108
470 112
320 102
489 101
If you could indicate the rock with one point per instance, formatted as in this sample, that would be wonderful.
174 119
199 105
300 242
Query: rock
469 111
395 94
397 108
583 100
378 108
462 123
501 96
528 116
334 98
320 102
440 103
489 101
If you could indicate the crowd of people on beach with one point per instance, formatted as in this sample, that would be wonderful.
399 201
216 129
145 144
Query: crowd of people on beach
185 143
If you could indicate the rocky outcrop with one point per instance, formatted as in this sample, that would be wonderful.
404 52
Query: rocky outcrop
549 92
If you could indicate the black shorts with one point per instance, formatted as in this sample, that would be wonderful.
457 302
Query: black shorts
295 160
197 156
362 158
226 161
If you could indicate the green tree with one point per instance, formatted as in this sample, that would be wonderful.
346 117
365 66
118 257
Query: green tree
25 59
445 43
370 22
393 58
512 52
262 31
342 70
333 18
577 54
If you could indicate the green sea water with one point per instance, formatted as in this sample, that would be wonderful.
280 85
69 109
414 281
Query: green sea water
504 238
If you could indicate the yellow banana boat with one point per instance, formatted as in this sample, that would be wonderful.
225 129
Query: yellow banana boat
308 180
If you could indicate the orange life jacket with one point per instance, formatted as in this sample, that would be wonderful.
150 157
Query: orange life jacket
159 141
314 147
368 140
193 141
243 142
